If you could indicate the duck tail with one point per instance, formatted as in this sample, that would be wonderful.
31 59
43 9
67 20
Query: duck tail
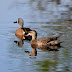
61 41
55 42
56 38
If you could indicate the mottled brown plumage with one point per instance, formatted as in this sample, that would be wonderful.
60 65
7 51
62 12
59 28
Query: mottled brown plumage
43 41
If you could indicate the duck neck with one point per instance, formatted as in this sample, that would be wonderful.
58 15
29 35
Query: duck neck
21 25
34 37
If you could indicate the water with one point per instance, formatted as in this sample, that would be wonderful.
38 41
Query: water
48 23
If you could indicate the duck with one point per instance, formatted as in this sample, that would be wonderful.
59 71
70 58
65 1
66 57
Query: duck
21 30
43 42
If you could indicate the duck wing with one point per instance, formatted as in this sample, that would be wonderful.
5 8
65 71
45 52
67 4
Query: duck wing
26 29
54 42
46 40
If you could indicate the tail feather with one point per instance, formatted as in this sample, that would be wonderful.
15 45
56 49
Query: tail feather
53 38
55 42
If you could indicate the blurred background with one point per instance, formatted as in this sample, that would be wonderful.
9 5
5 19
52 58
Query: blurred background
50 18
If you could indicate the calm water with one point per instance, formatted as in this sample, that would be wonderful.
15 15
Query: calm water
47 18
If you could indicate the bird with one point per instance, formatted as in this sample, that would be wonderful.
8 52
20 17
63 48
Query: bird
21 30
43 42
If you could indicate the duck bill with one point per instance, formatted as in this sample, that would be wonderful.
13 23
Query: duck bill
15 22
15 41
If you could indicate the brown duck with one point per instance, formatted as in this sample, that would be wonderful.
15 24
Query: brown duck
42 42
47 44
21 30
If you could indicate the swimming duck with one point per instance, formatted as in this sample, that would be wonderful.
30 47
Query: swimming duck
42 42
21 30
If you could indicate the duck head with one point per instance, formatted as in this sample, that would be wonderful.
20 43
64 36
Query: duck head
20 22
32 33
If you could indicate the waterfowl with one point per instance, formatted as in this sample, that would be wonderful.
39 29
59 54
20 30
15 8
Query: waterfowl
43 42
21 30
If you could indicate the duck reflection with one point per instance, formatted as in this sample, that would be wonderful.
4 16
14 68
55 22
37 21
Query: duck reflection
49 48
45 48
33 53
20 42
